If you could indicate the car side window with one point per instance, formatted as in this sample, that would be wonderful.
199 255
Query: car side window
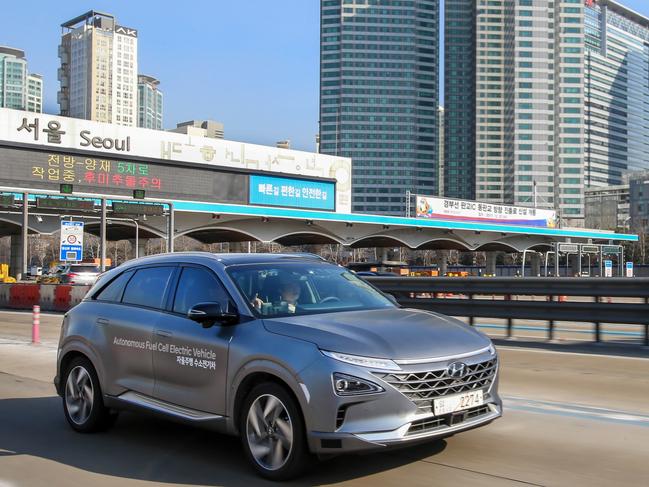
147 287
113 292
198 285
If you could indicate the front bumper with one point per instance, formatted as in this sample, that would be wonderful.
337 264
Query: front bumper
407 435
401 415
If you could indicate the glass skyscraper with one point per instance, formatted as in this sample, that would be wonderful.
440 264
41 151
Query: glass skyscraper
379 97
616 93
459 99
519 65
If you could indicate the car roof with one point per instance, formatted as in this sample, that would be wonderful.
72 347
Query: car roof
224 259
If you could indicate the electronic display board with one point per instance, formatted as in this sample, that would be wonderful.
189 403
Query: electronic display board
292 193
95 175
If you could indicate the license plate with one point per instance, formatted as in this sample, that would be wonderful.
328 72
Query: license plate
458 402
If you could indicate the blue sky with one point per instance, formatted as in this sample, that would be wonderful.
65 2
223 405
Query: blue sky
251 64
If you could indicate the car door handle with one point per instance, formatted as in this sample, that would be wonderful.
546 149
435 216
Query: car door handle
103 321
163 333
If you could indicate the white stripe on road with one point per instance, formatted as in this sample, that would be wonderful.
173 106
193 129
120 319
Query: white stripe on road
560 352
576 411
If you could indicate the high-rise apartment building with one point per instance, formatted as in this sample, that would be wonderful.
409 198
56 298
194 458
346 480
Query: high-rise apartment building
19 89
98 72
379 97
616 93
528 98
149 103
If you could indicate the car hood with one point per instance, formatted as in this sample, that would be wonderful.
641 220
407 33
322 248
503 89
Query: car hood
398 334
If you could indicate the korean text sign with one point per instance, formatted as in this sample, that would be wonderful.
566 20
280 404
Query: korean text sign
292 193
476 211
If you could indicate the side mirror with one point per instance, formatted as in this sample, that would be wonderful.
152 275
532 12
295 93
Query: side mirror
209 313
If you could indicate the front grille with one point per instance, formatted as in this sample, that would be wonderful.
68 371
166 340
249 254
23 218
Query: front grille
429 424
423 387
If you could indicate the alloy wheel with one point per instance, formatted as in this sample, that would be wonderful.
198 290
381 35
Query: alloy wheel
79 395
269 431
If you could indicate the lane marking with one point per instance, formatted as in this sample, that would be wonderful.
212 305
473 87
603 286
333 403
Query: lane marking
576 411
478 472
28 312
559 352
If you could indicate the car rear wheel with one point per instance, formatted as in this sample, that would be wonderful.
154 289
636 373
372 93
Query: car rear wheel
83 404
272 433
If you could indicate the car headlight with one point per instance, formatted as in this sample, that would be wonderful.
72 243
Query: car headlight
369 362
348 385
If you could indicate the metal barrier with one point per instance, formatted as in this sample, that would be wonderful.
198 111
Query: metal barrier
479 299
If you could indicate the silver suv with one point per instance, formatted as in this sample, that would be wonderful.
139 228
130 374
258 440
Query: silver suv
298 357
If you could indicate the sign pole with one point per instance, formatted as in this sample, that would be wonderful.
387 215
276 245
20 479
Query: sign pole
621 264
137 238
25 236
579 264
170 230
102 236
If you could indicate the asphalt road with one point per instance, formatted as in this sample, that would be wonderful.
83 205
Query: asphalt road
570 419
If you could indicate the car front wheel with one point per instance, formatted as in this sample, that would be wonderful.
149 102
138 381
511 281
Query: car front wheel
272 433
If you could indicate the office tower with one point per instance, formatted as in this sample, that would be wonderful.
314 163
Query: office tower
608 207
459 98
616 93
98 73
529 121
200 128
149 103
19 89
379 97
283 144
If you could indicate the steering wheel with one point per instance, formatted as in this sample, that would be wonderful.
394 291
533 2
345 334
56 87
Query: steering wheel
330 299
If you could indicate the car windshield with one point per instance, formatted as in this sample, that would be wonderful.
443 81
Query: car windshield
293 289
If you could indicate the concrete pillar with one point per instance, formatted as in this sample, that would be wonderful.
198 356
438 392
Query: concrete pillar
535 264
490 268
141 246
442 262
382 253
573 263
16 256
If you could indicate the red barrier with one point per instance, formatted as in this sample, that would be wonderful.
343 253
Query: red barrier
24 296
62 297
50 297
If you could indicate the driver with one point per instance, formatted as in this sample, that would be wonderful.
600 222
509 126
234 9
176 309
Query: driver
289 293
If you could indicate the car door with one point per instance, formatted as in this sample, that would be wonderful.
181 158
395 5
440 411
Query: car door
190 362
130 306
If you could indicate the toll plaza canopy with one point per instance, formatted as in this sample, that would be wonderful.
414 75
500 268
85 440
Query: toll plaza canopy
217 191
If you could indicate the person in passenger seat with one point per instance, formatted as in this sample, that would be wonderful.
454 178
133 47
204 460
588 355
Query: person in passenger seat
289 291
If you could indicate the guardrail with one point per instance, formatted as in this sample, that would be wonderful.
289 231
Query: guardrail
479 301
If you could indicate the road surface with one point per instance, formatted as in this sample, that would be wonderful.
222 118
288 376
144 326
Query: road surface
570 419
